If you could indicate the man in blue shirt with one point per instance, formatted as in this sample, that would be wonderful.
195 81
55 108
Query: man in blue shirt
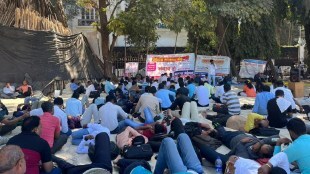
108 86
76 87
163 94
191 88
262 98
297 151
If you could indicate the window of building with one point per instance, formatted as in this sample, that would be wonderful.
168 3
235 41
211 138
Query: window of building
88 16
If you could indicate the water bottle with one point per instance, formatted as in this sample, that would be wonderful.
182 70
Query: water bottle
218 166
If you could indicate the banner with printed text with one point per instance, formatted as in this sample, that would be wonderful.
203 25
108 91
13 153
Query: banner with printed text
131 67
222 63
170 63
250 67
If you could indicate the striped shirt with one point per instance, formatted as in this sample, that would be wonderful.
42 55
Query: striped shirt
231 100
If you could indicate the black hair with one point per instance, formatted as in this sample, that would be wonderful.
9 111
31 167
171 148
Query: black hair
159 128
279 92
153 90
164 83
110 98
134 83
147 89
75 95
280 83
161 86
172 87
30 123
72 80
181 84
266 88
249 84
227 87
297 126
201 83
108 79
58 101
47 106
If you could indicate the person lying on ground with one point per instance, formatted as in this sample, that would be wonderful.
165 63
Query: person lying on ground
126 137
241 144
297 151
253 120
9 124
36 150
100 159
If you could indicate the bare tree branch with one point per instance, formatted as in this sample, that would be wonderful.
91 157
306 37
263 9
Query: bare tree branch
114 9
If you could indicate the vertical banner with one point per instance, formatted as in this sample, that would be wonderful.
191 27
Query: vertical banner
250 67
131 67
170 63
222 63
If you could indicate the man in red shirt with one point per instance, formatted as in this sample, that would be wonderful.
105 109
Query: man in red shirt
51 128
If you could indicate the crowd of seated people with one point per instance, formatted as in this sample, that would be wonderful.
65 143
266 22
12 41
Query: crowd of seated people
143 110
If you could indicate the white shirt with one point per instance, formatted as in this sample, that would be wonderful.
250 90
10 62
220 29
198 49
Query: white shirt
9 90
211 69
89 89
287 95
248 166
202 93
94 130
219 91
109 113
73 107
162 78
129 85
62 116
155 84
59 113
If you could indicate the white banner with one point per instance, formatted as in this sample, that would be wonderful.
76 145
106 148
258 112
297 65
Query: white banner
131 67
250 67
222 63
170 63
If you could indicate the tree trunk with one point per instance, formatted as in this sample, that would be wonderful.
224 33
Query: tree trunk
175 44
105 47
60 13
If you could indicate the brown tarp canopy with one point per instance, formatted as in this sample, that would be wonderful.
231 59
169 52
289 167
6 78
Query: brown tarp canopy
45 55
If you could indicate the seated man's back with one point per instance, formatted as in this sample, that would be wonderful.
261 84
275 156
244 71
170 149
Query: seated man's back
74 106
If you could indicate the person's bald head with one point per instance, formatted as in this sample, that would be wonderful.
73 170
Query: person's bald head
12 160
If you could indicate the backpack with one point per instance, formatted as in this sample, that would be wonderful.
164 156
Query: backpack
142 152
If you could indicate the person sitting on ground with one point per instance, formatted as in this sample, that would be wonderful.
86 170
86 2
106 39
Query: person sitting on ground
210 89
24 90
9 124
241 144
202 94
8 92
100 159
74 110
61 115
261 100
89 88
92 112
230 106
89 129
109 87
134 91
109 114
164 94
148 100
297 151
178 104
191 88
155 84
36 150
248 90
123 101
76 87
287 93
50 130
172 89
279 110
182 90
12 160
219 91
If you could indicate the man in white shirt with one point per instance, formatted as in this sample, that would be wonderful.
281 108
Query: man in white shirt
8 91
74 110
89 88
109 114
287 93
219 91
202 94
211 73
155 84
